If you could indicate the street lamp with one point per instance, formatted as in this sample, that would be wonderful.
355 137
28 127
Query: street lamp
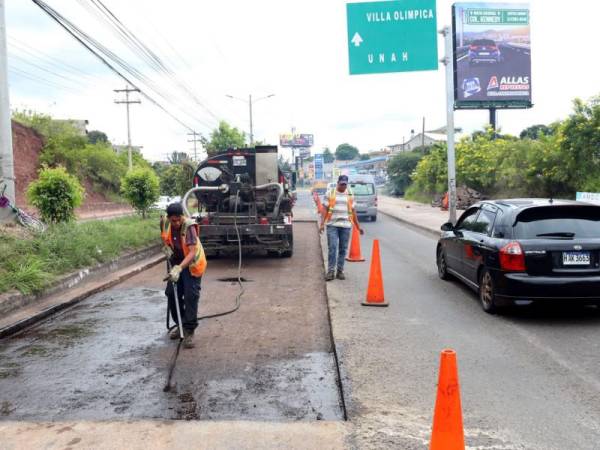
249 102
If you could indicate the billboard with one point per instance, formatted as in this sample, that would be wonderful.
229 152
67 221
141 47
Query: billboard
492 55
296 140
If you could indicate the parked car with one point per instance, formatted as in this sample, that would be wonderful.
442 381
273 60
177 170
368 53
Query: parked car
484 50
531 250
164 201
365 195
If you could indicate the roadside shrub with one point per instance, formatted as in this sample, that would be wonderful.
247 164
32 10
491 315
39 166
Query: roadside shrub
55 194
141 188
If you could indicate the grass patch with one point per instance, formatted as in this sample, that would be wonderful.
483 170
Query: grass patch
30 262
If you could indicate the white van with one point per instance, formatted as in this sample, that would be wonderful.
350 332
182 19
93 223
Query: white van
365 195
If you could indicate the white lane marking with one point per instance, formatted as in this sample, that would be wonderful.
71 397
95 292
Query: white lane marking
461 58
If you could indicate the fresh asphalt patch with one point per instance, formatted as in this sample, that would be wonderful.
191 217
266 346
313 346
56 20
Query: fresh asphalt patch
106 358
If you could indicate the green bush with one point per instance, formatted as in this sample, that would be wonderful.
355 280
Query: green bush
400 168
141 188
55 194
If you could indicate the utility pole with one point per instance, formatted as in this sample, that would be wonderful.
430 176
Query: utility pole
195 140
423 136
7 170
128 102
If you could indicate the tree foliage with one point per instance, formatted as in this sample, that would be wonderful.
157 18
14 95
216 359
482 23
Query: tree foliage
400 168
55 194
536 131
178 157
346 152
176 179
328 157
141 188
223 138
95 137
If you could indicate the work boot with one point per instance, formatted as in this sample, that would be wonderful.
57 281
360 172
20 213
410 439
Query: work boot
174 333
330 276
188 339
340 275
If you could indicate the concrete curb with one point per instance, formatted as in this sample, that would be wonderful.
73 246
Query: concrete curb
72 280
341 373
423 228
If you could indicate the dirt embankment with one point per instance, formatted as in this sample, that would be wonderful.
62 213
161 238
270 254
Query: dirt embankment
27 146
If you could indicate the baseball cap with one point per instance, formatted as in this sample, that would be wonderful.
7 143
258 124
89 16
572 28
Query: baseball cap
174 209
343 179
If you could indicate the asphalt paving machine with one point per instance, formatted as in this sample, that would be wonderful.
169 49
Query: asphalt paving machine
243 193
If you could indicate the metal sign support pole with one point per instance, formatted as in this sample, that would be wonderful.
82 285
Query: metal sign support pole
449 63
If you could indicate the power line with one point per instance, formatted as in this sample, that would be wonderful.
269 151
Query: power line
32 77
89 42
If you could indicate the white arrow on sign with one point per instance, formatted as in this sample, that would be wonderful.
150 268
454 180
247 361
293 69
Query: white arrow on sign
357 40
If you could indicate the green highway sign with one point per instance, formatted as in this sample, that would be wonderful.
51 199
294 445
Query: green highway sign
393 36
497 16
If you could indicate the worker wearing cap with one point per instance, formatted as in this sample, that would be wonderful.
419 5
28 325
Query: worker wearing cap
188 263
339 217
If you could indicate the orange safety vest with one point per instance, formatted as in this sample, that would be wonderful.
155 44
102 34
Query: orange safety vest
198 265
331 205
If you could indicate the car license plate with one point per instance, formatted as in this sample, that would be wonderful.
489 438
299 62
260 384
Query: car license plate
484 53
576 258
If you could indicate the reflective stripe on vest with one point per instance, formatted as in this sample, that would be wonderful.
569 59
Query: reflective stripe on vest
331 203
198 265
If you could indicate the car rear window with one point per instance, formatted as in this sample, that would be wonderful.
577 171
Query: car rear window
558 222
484 42
362 188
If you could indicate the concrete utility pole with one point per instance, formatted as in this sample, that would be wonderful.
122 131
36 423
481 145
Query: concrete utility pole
449 63
7 170
423 136
249 101
195 140
127 102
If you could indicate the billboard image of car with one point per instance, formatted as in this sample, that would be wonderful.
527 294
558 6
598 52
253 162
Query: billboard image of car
296 140
492 55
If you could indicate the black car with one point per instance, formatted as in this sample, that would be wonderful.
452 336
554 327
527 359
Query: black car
524 250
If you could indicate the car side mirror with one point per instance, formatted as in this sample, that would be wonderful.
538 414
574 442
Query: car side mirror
448 227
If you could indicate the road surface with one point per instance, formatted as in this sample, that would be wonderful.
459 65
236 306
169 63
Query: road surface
529 379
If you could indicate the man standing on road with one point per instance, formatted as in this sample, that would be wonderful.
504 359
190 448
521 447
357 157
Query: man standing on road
339 217
188 263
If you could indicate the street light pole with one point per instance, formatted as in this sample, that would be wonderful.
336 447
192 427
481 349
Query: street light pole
251 128
249 101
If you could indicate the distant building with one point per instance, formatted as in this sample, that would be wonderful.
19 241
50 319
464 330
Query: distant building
123 148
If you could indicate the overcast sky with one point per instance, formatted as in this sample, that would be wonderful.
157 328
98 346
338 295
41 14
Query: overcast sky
295 50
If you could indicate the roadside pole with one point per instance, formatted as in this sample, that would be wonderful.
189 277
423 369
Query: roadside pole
7 170
449 63
128 102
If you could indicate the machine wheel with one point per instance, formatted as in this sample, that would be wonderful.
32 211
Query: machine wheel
290 250
487 292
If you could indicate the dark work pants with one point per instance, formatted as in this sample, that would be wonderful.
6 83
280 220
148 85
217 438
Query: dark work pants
188 290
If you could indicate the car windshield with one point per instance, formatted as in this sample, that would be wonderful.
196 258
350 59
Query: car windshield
362 188
558 222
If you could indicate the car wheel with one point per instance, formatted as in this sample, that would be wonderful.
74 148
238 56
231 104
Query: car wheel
442 265
373 218
487 292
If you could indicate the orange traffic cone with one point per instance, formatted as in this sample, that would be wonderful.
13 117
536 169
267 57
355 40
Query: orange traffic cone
448 433
355 253
375 291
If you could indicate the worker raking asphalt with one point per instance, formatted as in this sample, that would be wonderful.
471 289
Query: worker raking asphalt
186 256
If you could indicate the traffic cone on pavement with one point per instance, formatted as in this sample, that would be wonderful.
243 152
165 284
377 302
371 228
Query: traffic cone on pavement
355 253
375 295
448 433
